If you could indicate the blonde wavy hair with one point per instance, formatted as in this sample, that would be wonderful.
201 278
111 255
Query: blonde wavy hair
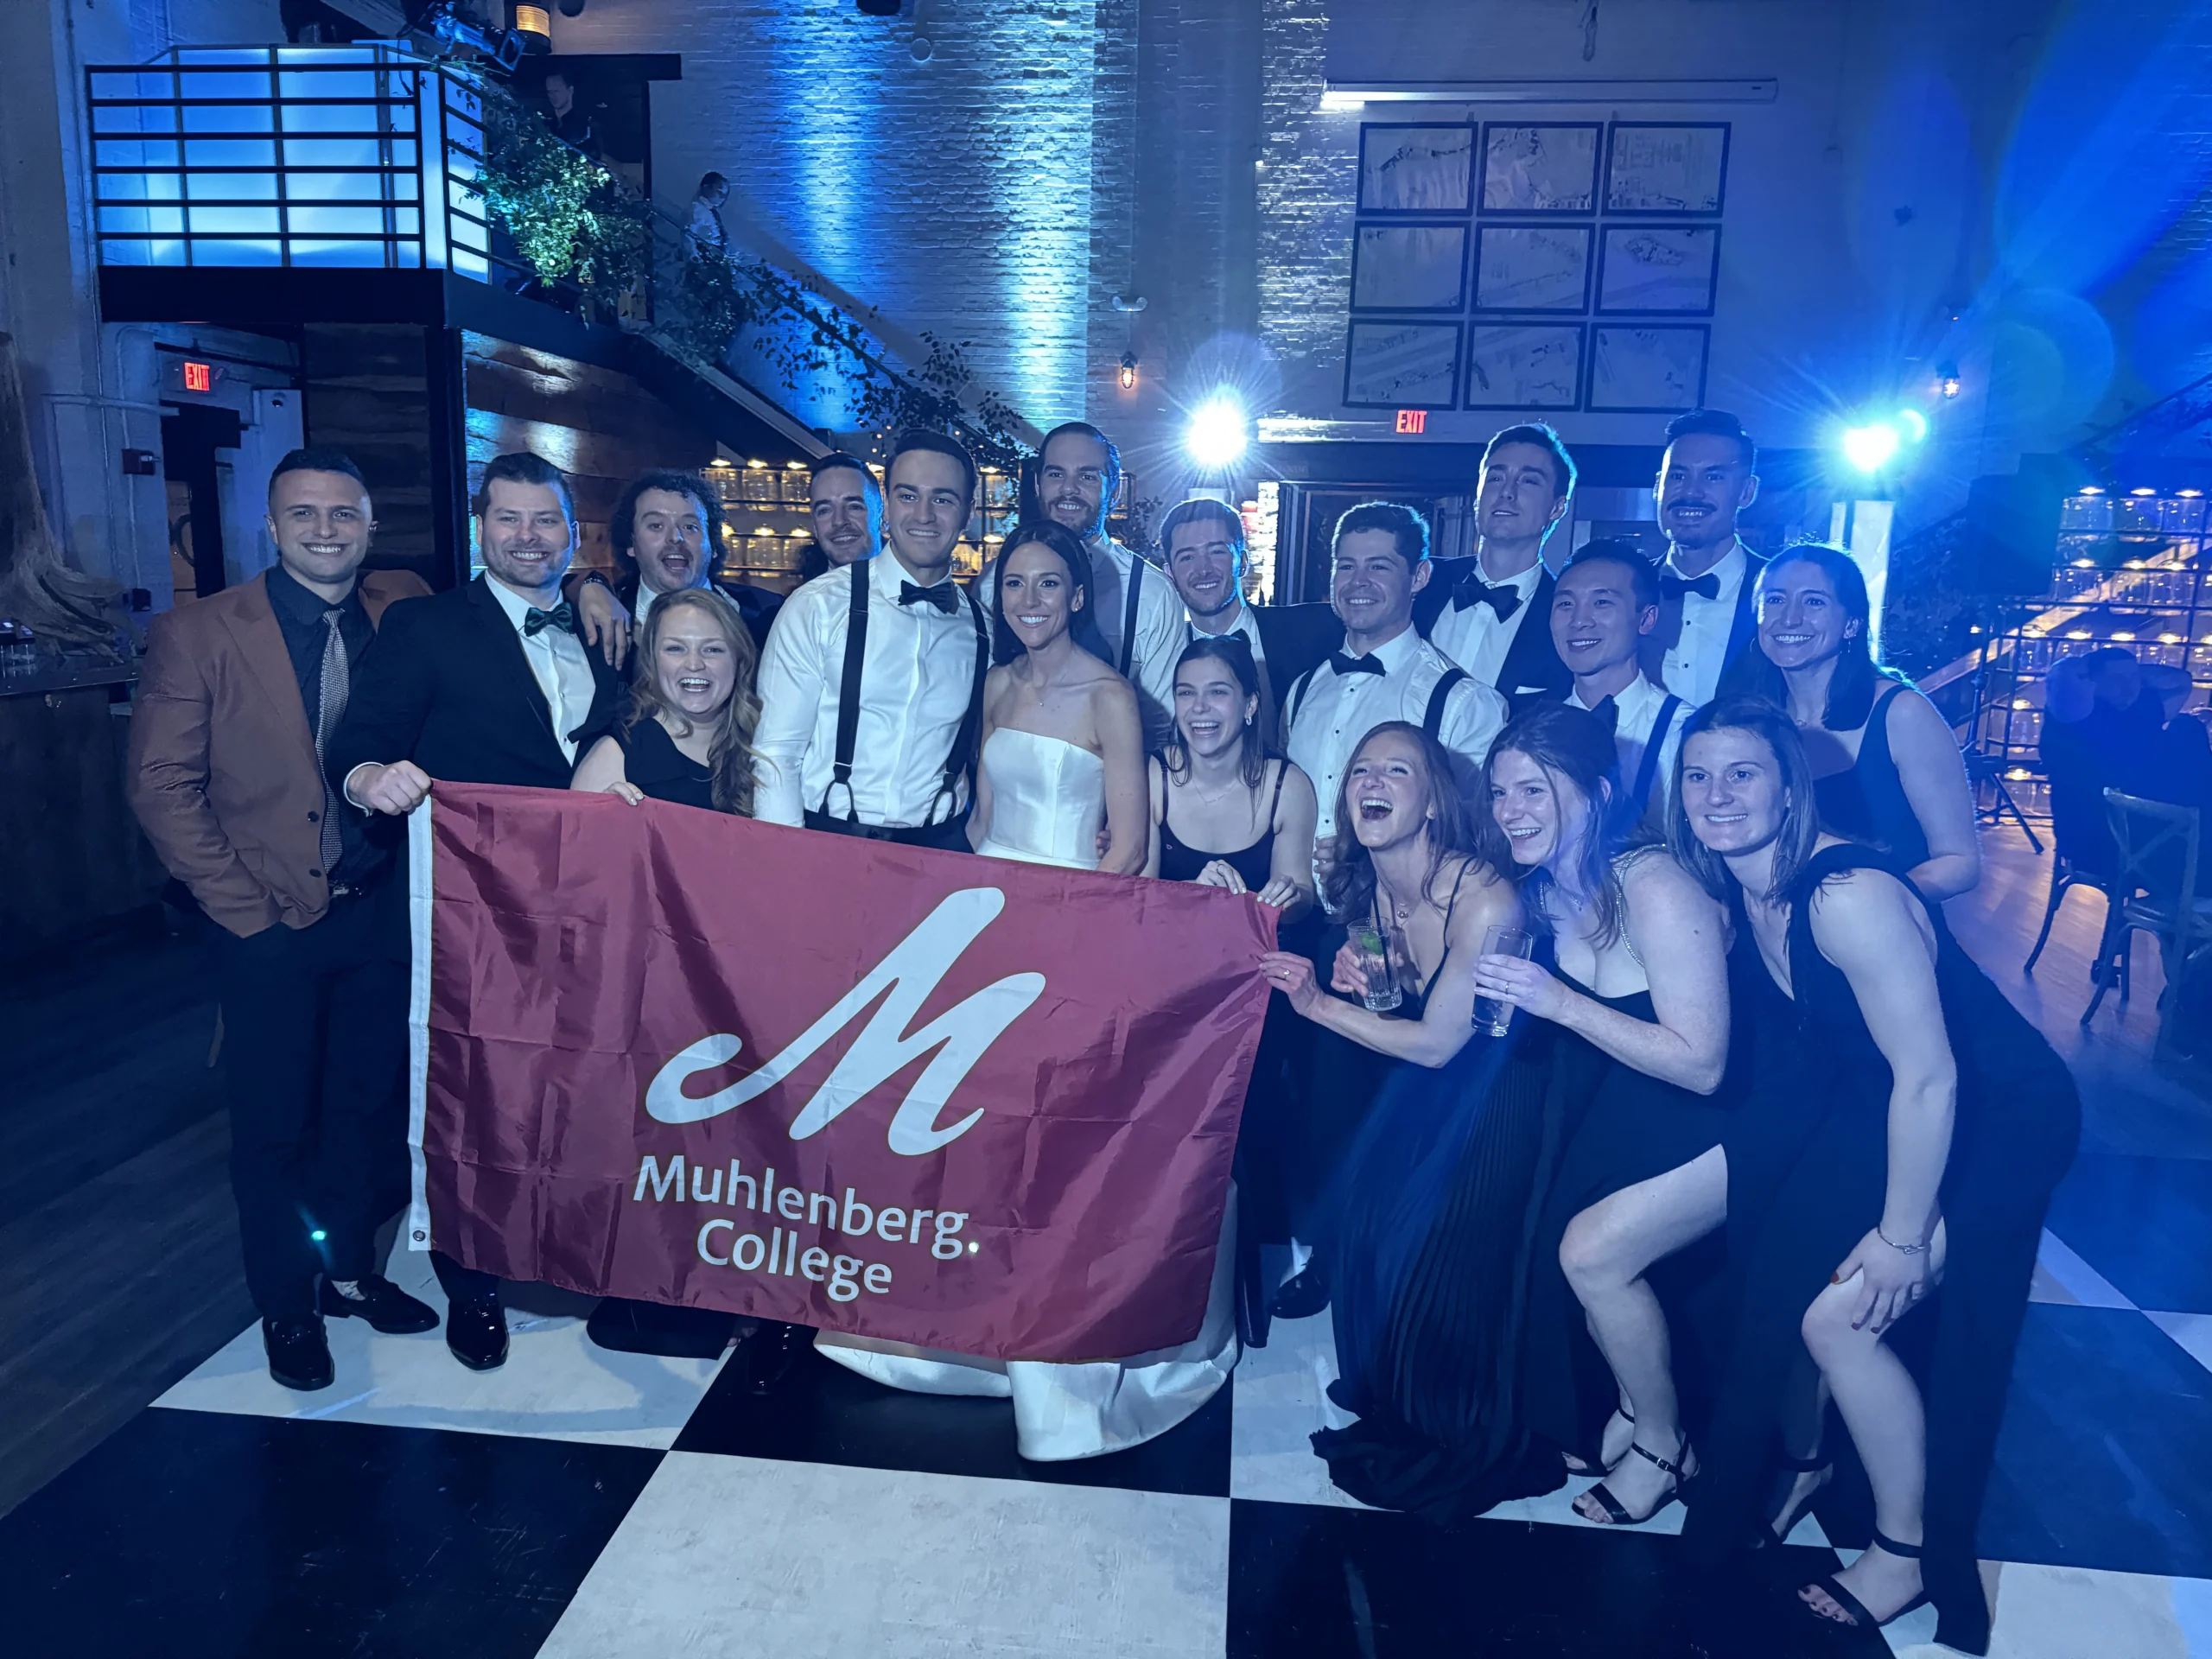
730 756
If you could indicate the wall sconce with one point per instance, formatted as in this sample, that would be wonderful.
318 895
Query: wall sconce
1947 377
535 25
1129 371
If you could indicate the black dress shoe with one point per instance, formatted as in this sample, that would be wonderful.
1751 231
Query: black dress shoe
299 1358
476 1332
770 1351
1305 1296
382 1304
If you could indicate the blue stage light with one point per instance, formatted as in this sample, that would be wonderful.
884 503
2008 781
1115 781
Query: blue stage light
318 1236
1218 434
1871 448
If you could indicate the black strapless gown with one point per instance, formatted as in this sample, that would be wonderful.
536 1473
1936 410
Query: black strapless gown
1446 1183
1807 1168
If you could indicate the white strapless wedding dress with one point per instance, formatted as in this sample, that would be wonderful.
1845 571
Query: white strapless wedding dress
1048 803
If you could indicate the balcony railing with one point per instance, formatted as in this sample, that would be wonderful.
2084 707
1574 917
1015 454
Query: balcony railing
357 156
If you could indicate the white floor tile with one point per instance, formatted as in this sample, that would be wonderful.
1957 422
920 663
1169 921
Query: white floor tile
2066 1613
556 1385
1281 1401
2082 1284
2192 1330
734 1556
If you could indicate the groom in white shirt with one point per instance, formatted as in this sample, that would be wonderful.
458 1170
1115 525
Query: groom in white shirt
872 680
1708 474
1606 604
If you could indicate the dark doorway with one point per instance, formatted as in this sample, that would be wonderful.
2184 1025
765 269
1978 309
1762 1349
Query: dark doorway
190 438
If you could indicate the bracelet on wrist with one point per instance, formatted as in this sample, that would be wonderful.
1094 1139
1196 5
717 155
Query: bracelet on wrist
1903 1250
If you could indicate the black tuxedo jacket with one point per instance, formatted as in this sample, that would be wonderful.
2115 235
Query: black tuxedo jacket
1533 671
446 686
1293 639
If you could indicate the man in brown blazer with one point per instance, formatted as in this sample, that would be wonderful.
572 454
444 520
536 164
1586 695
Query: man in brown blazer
236 701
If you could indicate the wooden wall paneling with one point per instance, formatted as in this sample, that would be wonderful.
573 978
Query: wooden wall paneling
365 390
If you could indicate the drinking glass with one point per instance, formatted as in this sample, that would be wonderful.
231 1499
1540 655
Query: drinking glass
1383 994
1492 1017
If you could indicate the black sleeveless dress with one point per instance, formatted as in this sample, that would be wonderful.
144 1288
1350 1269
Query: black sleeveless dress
1806 1172
659 769
1444 1187
1255 865
1866 801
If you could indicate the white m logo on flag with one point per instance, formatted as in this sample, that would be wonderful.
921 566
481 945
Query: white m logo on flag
910 972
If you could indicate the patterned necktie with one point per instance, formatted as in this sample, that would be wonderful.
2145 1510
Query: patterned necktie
337 686
562 616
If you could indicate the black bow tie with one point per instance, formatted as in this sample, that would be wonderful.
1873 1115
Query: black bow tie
1474 590
1344 664
1675 587
1607 714
562 616
942 595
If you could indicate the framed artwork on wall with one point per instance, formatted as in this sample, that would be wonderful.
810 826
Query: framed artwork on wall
1409 268
1549 169
1401 364
1647 368
1659 268
1666 167
1524 365
1532 268
1415 169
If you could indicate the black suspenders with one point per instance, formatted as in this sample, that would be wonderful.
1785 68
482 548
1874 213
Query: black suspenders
1647 769
848 703
1432 720
1129 615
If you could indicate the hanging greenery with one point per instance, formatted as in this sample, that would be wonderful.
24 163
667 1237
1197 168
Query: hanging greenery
575 224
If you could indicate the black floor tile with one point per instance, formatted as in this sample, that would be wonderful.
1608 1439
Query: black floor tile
2145 1224
2107 1439
1307 1582
201 1536
822 1412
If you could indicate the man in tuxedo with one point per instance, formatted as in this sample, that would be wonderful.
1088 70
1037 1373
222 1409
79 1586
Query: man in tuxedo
1708 584
1489 611
1073 481
1204 541
237 701
1605 605
665 529
1384 669
484 684
845 504
872 682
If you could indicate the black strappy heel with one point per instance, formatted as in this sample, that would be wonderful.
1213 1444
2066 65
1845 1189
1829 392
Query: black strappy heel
1575 1464
1860 1619
1790 1468
1618 1516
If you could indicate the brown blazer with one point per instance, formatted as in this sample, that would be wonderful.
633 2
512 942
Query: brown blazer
223 773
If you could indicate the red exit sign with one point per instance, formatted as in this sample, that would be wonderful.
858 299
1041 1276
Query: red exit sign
201 377
1412 422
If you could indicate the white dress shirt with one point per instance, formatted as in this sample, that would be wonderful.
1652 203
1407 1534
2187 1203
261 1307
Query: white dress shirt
1160 634
557 659
1476 639
1337 711
1639 707
917 672
1691 666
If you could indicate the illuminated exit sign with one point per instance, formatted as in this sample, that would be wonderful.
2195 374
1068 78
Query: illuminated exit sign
1412 422
201 377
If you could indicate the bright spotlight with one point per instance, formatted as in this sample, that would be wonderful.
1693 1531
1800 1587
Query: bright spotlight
1913 423
1218 434
1870 448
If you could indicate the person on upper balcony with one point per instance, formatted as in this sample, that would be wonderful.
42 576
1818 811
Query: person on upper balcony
704 236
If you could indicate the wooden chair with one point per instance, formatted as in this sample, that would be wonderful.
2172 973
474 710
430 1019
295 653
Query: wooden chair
2155 888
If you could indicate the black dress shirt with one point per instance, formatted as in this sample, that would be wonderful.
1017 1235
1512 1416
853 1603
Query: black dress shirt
299 618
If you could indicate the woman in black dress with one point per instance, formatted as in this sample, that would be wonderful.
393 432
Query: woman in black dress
1638 994
1887 769
1921 1150
1432 1249
686 738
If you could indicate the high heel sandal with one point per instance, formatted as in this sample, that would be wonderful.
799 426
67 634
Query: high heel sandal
1860 1618
1575 1466
1818 1464
1618 1516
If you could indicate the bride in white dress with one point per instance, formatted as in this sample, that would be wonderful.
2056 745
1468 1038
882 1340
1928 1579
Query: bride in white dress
1062 759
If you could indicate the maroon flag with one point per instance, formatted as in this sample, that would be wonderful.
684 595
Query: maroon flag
973 1105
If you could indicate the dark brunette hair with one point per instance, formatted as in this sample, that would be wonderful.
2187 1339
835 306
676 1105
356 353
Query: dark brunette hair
1540 434
1408 527
1451 828
1235 652
1856 677
1799 836
936 443
1112 481
1570 744
317 460
1083 624
730 756
1197 509
520 466
622 523
1642 574
1712 423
